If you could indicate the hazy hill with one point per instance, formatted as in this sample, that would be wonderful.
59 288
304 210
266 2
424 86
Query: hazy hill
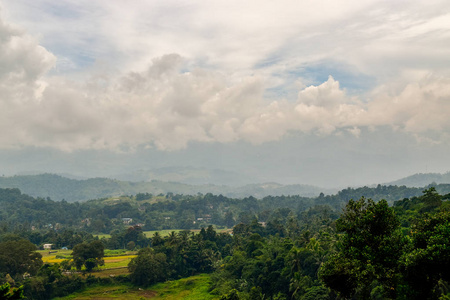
422 179
187 175
58 187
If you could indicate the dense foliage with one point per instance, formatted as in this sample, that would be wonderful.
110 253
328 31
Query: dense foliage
18 257
329 247
89 255
20 212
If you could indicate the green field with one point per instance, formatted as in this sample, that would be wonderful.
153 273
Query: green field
116 261
54 256
191 288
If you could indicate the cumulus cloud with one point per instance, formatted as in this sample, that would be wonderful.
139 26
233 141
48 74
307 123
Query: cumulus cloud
174 100
167 108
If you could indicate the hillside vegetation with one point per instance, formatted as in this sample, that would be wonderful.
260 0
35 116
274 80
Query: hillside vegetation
342 246
174 211
58 188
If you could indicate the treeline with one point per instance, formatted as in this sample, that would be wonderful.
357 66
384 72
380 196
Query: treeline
157 212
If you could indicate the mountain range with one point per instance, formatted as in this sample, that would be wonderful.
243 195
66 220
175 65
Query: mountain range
58 187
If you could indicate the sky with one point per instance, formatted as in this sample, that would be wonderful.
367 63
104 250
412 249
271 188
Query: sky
328 93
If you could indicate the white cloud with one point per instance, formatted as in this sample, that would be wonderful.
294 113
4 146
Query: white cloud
210 91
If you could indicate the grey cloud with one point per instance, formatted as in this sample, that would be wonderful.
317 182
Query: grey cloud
167 105
168 108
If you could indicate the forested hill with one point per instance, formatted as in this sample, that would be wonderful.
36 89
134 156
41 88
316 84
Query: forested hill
57 188
422 179
172 211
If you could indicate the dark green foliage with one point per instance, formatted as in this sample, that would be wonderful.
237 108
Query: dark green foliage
148 267
431 199
267 266
21 212
277 252
316 293
370 249
178 255
428 262
19 257
90 255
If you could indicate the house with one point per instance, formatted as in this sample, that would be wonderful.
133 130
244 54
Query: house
127 220
48 246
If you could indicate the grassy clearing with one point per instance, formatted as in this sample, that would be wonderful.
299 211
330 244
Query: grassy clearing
117 261
119 292
103 236
54 256
111 272
191 288
118 252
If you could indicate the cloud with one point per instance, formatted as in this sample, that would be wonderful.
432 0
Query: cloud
167 108
167 99
419 108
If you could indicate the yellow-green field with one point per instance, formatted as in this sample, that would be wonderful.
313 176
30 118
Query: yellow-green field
191 288
117 261
50 257
111 267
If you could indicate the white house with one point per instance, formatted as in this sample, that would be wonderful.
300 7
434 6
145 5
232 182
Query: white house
48 246
127 220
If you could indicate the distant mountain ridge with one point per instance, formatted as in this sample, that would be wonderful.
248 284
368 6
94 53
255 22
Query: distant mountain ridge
422 179
58 188
187 175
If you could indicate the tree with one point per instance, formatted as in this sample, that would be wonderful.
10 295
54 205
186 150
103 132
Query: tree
370 250
18 258
148 267
90 255
229 219
428 264
431 199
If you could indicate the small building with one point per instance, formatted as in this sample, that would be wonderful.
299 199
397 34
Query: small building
127 220
48 246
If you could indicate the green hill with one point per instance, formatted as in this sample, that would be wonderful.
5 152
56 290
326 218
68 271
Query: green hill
58 188
422 179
